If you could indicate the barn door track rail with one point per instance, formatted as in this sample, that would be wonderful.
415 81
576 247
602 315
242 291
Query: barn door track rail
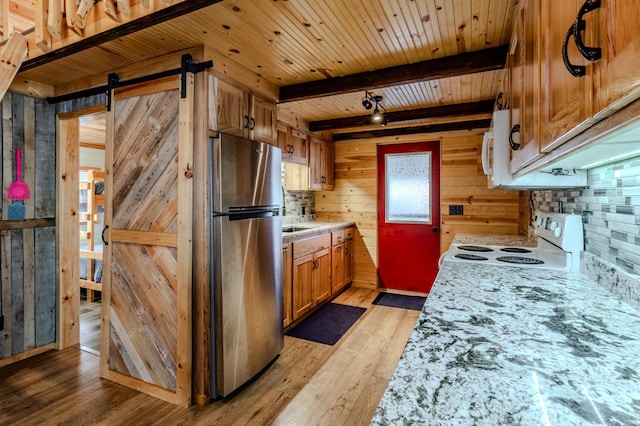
113 82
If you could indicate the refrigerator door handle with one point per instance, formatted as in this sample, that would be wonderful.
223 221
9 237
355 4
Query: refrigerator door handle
248 214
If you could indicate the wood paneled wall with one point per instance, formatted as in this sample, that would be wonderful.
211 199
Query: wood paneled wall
354 198
28 261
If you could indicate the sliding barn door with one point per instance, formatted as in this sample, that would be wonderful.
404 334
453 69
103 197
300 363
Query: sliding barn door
147 306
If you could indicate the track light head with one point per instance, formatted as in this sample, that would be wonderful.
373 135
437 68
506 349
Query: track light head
378 116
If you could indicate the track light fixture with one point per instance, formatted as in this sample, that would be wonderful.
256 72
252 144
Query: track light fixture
379 115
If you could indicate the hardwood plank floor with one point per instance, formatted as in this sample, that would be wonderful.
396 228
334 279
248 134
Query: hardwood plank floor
90 321
309 384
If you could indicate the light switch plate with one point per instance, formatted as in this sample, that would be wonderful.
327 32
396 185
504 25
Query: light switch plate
456 210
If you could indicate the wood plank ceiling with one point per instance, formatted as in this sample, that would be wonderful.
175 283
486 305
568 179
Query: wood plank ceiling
290 43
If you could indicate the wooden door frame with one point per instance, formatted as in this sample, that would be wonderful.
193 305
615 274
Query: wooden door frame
67 226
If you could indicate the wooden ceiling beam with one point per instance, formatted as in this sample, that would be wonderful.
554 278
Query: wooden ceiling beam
119 31
441 111
401 131
450 66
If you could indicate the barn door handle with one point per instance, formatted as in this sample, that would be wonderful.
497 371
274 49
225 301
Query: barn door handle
589 53
103 231
574 70
435 229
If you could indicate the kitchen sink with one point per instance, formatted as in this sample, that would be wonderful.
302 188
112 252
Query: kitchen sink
294 229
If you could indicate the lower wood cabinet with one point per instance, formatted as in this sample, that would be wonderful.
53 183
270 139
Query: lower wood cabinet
341 259
287 284
348 261
311 273
315 268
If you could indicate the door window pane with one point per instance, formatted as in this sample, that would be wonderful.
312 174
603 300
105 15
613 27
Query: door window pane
408 187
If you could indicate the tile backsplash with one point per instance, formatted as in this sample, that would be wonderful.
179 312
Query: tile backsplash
610 207
300 206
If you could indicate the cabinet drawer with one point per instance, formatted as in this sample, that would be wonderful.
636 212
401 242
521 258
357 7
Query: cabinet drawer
311 245
348 233
337 237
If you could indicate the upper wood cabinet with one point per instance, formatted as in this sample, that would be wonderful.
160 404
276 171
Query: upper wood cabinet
238 112
524 77
321 163
567 100
617 74
294 144
569 91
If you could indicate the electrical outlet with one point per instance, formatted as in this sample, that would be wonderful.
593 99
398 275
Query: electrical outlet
456 210
1 322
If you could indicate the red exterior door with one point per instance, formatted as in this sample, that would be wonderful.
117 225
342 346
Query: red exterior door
408 215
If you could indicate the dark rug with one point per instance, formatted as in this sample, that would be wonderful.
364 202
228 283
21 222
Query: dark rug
328 324
400 301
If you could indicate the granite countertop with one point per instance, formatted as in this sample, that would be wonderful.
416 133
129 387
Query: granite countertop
311 228
509 345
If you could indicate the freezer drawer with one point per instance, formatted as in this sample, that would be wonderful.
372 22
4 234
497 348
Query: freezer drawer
247 298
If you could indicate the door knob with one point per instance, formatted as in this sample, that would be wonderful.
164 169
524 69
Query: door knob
435 229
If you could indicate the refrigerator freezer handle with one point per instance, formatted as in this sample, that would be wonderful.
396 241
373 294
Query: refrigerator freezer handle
249 214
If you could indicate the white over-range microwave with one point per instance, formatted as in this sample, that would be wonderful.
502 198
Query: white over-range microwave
496 153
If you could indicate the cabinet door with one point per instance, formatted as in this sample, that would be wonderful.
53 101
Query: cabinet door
262 120
227 108
526 79
328 165
567 100
287 284
303 299
620 42
299 147
348 261
282 134
322 275
337 268
315 163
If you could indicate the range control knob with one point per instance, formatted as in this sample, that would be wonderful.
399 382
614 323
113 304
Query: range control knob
553 225
538 221
557 232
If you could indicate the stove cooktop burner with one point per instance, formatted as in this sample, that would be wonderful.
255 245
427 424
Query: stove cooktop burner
515 250
475 248
467 256
520 260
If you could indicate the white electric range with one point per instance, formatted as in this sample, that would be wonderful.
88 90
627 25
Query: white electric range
559 243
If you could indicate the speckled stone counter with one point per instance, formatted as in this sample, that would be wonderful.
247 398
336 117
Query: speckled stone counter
508 345
312 228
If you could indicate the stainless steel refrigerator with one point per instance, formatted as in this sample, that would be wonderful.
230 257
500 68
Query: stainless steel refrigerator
246 248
